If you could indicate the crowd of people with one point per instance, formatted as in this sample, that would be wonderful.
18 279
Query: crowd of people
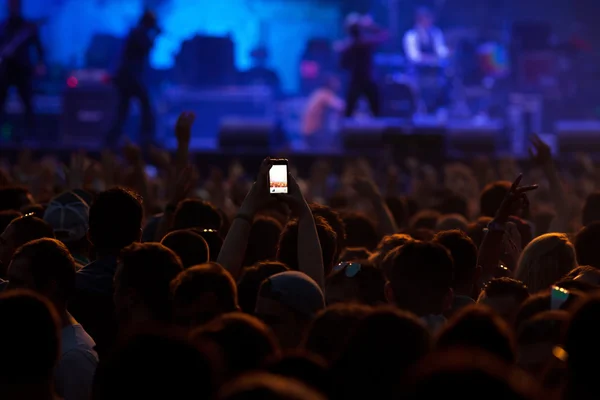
395 281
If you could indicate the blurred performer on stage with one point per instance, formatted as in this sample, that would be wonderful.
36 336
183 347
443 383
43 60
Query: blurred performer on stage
129 79
323 109
357 58
427 56
17 37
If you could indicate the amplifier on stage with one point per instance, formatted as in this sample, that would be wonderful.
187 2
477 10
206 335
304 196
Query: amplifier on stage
88 113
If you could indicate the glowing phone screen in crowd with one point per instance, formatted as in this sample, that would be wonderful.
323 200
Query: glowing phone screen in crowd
278 182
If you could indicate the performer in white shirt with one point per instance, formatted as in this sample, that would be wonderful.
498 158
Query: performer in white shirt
427 55
425 43
324 104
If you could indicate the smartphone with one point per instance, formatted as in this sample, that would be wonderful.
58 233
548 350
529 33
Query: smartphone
559 297
278 177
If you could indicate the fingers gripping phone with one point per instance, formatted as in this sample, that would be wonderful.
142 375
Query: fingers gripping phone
278 177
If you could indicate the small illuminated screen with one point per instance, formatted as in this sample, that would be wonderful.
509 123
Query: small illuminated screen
278 179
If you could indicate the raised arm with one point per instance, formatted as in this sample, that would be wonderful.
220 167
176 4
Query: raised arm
385 221
492 246
310 256
542 156
234 247
180 178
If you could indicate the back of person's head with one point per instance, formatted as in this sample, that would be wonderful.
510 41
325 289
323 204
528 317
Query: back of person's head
355 254
467 374
46 267
250 281
202 293
263 240
389 341
145 272
287 302
422 234
27 228
492 197
331 329
115 220
360 231
387 244
453 204
448 222
20 231
245 342
425 219
287 250
591 209
583 349
533 305
213 240
586 242
542 302
335 221
195 213
302 366
190 246
545 260
476 230
420 278
505 296
68 214
155 365
267 387
479 327
31 339
464 254
6 218
37 210
13 198
356 282
537 338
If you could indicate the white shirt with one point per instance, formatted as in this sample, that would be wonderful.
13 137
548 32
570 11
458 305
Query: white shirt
77 365
414 38
319 103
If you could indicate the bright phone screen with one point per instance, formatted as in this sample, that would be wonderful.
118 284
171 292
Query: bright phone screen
278 182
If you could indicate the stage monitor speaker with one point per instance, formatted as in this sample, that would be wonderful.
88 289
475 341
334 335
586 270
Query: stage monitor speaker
427 142
578 137
88 114
250 134
474 139
370 134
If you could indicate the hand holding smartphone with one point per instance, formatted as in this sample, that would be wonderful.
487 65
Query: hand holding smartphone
278 177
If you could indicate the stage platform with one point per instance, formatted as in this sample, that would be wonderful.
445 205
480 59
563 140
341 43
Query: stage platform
424 136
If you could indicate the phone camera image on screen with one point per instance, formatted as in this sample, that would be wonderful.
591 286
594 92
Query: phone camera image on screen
278 182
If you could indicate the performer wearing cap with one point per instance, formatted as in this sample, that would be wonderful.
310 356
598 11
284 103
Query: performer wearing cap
129 81
357 58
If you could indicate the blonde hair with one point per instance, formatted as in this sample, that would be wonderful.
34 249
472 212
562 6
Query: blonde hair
545 260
